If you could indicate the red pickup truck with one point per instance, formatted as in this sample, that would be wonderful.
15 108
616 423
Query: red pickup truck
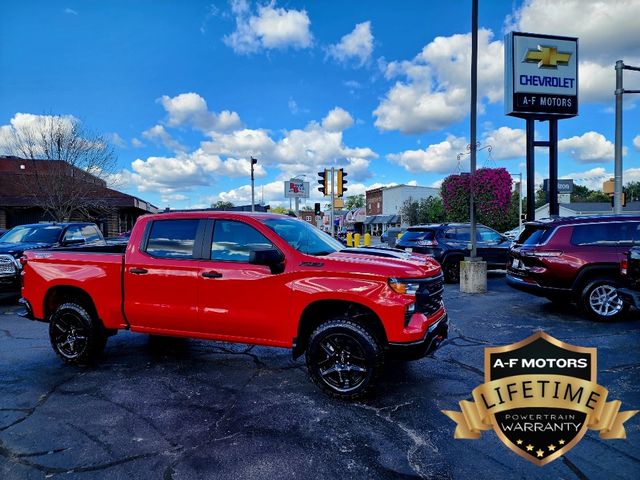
261 279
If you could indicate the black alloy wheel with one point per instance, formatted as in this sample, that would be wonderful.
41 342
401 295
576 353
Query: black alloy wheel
344 358
75 335
451 270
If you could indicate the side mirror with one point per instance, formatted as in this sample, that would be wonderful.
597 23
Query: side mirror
270 257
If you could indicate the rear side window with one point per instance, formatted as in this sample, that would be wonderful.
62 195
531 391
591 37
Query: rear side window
91 234
534 235
415 235
233 241
601 234
459 234
172 238
630 234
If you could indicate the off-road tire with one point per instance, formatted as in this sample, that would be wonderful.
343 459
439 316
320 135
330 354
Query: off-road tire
355 347
76 336
593 304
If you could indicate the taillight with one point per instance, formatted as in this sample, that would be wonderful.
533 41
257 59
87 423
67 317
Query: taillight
548 253
623 267
427 243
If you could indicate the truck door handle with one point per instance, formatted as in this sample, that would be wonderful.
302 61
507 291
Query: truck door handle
138 271
212 275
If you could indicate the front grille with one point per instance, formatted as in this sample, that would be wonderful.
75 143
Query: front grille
429 295
7 265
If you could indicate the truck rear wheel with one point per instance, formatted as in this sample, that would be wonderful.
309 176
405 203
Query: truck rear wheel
76 336
344 358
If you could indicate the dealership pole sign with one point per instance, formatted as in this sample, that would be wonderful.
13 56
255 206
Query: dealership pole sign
541 75
541 83
296 188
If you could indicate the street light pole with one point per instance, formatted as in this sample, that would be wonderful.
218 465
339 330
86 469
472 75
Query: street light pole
474 101
253 201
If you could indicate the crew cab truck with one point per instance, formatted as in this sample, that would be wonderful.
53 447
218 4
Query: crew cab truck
262 279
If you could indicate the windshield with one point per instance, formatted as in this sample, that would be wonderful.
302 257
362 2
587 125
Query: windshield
26 234
303 237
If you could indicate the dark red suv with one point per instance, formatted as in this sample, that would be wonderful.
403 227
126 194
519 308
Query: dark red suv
575 259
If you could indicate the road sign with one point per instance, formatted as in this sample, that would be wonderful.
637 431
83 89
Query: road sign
564 185
296 188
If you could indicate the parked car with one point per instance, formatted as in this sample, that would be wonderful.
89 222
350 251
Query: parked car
449 243
38 236
630 271
390 236
514 233
575 259
252 278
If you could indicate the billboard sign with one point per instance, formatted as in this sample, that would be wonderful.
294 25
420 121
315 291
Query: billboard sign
564 185
541 75
296 188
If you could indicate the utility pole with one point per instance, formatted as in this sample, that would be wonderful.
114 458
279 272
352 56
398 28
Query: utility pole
474 101
253 198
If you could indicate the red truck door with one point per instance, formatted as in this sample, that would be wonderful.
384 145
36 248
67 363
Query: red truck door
161 277
238 299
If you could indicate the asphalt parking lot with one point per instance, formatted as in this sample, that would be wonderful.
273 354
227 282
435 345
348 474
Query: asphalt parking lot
187 409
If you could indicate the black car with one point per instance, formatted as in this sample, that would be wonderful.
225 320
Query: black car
39 236
449 243
630 270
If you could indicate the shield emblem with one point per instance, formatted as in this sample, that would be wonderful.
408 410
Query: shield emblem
535 432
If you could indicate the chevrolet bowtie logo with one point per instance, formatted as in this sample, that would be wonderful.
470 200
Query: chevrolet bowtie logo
547 57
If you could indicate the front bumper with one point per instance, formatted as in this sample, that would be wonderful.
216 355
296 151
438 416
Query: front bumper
630 297
433 337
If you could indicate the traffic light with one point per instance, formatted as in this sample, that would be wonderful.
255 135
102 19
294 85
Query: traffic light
317 209
324 180
341 182
623 200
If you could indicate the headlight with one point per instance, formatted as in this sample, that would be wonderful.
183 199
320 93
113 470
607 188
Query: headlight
405 287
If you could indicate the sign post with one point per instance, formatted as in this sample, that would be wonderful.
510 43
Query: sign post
541 83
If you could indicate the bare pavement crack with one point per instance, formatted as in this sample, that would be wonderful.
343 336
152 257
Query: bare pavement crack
418 441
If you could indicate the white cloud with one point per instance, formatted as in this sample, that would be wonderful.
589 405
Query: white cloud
440 157
337 120
159 135
70 11
506 143
169 175
270 28
28 124
116 139
356 46
594 177
436 91
591 147
191 109
636 142
135 143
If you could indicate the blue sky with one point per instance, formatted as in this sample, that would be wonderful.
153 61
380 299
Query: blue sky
187 91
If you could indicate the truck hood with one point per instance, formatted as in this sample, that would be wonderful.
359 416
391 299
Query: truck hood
388 267
17 249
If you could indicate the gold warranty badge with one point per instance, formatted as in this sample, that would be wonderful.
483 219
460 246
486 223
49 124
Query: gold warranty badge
540 397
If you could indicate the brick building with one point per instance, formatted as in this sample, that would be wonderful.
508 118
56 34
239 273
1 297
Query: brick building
19 197
373 201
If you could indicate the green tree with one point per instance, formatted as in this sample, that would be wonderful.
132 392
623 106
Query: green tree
354 201
222 205
431 210
541 197
281 210
409 211
632 191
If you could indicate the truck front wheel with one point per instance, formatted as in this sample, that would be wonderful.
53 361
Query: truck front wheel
76 336
344 358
